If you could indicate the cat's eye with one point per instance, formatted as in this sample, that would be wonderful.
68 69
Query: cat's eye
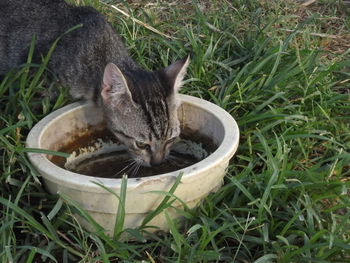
142 145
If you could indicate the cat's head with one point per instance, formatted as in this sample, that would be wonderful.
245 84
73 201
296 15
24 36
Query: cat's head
141 109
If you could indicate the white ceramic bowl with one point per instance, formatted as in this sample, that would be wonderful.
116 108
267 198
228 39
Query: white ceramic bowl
198 180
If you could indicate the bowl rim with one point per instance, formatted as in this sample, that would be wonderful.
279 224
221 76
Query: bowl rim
54 173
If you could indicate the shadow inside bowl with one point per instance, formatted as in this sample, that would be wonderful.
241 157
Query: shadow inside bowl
98 153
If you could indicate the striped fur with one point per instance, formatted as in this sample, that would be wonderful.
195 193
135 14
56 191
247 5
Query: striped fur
141 108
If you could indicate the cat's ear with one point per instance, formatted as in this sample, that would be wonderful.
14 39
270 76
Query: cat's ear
176 73
114 84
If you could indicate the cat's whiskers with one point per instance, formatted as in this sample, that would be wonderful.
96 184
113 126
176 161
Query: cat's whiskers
131 170
135 171
126 167
138 164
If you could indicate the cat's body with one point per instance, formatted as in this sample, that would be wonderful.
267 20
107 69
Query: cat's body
140 107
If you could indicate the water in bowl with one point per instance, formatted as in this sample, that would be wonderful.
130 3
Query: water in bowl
99 154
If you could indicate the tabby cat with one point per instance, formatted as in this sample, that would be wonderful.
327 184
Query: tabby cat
140 107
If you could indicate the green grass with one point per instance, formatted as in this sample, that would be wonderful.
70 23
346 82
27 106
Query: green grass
286 192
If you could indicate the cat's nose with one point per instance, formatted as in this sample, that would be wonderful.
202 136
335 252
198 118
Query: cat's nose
157 158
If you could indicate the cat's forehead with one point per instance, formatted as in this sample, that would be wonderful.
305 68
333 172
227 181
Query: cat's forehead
149 92
157 117
147 86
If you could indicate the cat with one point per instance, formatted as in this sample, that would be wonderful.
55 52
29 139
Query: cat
140 107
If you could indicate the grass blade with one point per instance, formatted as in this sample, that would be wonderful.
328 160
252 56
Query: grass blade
119 221
166 202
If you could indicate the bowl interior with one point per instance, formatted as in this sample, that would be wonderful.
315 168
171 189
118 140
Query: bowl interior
78 125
